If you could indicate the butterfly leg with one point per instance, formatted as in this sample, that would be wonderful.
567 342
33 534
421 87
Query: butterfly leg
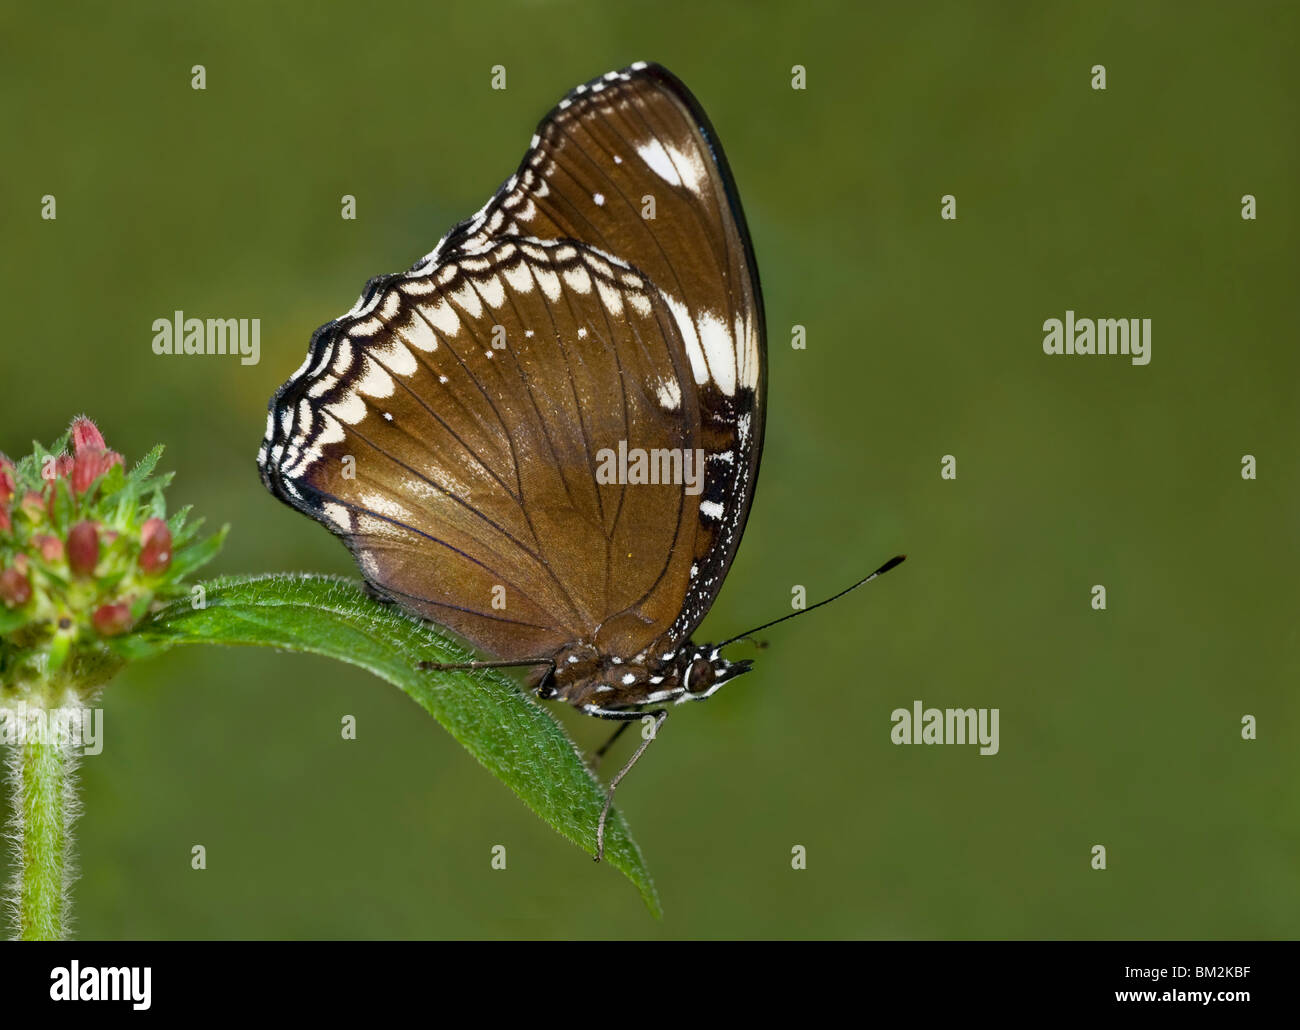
627 718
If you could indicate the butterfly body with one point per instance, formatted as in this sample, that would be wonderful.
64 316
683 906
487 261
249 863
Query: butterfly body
608 685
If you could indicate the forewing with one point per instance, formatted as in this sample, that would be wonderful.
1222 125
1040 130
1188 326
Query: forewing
629 163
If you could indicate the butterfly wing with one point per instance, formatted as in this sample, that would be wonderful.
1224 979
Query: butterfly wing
453 437
629 163
483 479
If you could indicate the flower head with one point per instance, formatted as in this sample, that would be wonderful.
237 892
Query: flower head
87 551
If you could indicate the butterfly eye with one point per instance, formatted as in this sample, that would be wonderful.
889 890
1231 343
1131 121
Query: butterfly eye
699 677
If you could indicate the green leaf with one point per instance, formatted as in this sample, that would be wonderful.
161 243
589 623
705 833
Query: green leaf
145 465
489 713
187 557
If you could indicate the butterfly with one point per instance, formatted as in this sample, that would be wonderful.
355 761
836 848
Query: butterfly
545 435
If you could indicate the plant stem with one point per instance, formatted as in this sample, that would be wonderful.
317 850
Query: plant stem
41 772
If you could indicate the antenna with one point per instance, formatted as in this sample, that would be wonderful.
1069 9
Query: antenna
896 560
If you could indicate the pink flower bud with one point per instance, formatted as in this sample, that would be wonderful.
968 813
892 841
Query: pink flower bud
63 466
6 479
85 436
111 619
156 553
51 547
15 588
83 548
89 465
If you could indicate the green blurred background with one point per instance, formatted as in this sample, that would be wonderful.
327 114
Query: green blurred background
1119 728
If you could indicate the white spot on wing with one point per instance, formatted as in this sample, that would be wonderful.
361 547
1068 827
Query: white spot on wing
417 333
443 317
720 350
398 357
338 515
467 298
492 291
610 297
550 282
654 154
670 394
517 275
578 279
351 409
376 382
699 367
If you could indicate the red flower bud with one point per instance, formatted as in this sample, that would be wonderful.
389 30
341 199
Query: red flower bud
89 465
111 619
83 548
85 436
51 547
156 554
15 588
6 479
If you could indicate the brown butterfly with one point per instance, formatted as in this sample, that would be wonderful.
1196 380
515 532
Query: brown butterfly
546 434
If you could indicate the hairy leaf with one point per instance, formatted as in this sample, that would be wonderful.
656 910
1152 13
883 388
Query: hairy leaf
512 735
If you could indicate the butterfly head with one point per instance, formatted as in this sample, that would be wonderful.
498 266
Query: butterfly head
705 671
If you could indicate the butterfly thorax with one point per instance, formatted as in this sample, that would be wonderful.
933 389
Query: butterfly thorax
596 683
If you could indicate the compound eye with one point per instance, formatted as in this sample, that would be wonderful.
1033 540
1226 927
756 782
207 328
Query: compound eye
699 676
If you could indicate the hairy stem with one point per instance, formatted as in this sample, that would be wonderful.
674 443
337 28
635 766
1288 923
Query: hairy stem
44 799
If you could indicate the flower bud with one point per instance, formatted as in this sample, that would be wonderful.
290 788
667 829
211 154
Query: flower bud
51 547
6 480
15 588
90 465
83 548
156 553
111 619
63 466
86 436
